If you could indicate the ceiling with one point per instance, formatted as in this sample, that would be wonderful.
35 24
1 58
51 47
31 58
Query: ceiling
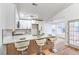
42 11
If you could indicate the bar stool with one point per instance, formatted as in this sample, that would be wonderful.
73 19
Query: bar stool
52 44
41 43
22 46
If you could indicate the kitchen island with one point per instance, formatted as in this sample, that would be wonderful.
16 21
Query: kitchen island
32 48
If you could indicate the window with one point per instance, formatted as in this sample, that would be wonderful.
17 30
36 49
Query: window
54 30
61 30
25 24
74 33
58 29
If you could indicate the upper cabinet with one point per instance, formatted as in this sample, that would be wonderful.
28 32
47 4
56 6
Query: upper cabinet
7 13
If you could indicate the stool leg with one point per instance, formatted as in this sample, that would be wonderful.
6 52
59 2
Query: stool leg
41 51
19 52
52 47
22 52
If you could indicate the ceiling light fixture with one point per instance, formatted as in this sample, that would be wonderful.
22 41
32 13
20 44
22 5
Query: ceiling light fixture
34 4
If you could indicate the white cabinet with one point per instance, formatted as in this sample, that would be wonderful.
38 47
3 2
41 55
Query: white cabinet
7 15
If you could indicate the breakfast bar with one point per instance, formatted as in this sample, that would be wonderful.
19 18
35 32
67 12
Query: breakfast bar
33 48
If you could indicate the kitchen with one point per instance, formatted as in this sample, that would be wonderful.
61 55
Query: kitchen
33 23
20 29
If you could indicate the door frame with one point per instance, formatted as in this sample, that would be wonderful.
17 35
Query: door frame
72 45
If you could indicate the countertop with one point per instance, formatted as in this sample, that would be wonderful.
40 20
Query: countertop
9 39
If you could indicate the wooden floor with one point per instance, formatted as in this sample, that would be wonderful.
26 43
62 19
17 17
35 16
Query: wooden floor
67 50
34 48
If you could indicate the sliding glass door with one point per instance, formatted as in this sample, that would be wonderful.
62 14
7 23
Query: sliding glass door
73 33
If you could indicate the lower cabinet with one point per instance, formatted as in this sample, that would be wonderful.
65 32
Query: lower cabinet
11 50
33 48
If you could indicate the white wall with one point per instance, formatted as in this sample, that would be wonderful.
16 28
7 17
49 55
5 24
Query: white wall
70 13
9 13
0 32
47 28
7 19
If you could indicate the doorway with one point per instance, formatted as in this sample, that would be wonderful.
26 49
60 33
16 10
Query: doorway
35 29
73 33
